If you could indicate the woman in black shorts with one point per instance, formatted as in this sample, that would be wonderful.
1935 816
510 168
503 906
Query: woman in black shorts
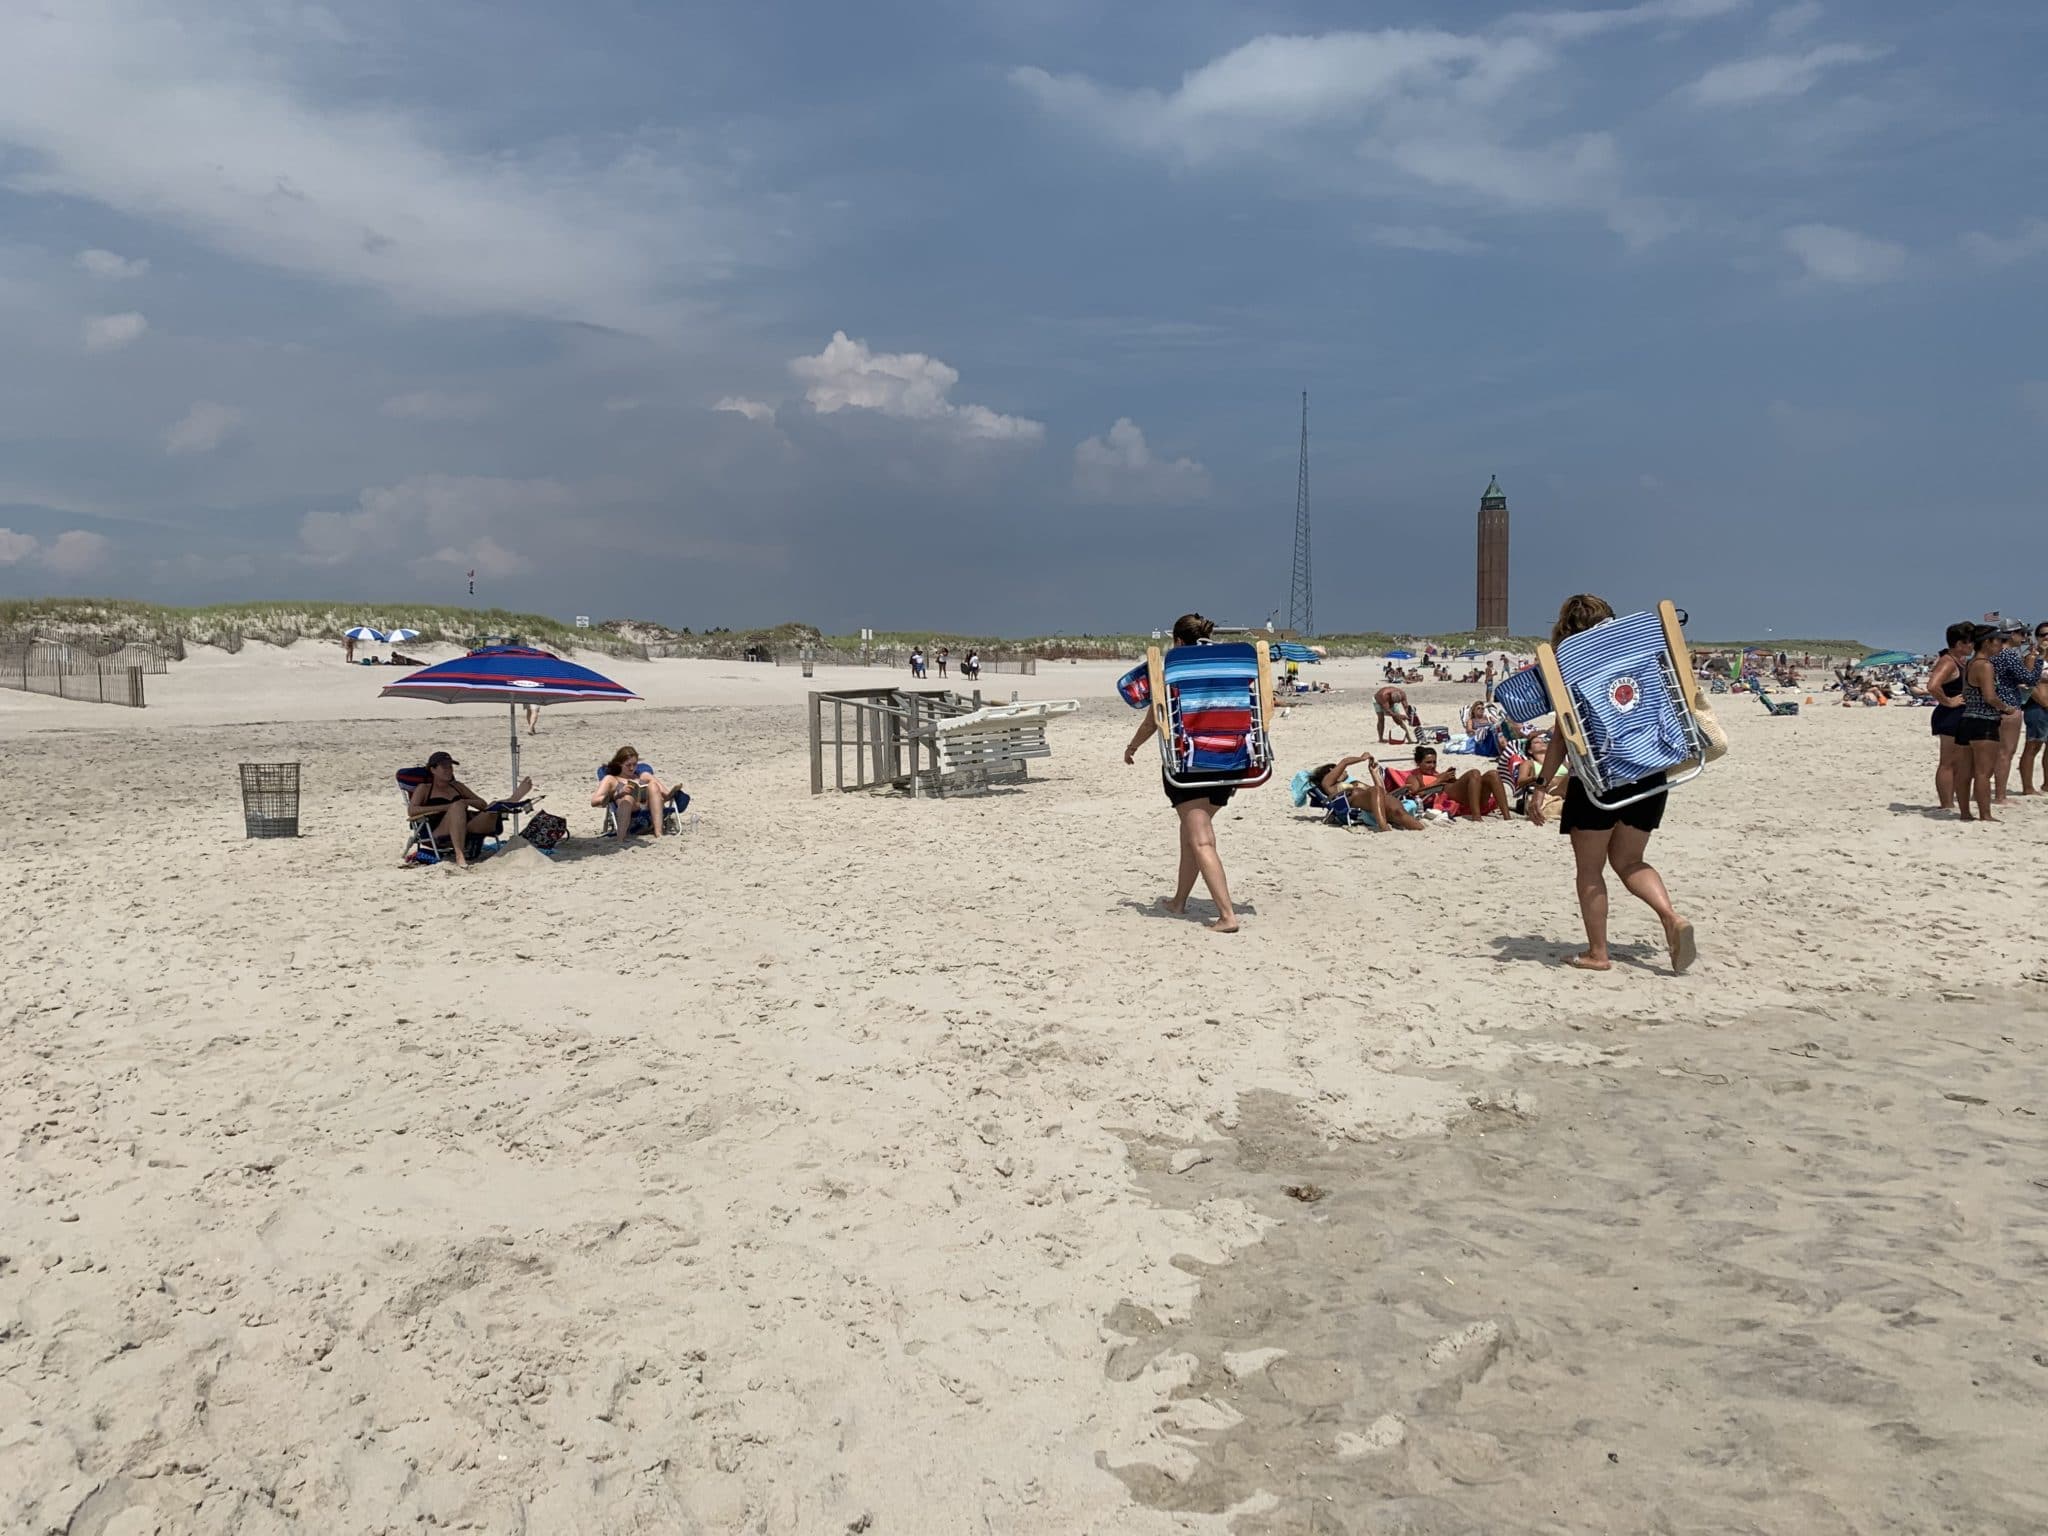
1945 682
1601 838
1195 806
1977 732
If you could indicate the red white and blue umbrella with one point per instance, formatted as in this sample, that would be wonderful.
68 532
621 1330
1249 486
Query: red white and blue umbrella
511 675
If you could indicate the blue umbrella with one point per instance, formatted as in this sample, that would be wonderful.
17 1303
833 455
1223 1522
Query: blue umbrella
1291 650
1887 659
402 634
363 632
1400 655
1468 654
511 675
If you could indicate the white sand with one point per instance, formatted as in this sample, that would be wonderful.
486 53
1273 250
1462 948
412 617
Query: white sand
775 1177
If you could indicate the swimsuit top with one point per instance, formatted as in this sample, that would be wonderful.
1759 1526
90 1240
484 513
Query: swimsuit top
1952 690
1974 702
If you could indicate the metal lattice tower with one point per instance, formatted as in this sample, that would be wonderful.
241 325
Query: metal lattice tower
1301 614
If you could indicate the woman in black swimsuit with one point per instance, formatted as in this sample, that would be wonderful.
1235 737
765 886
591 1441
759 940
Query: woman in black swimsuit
1945 682
463 813
1196 806
1977 731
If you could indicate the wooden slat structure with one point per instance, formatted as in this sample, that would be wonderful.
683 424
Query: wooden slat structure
921 740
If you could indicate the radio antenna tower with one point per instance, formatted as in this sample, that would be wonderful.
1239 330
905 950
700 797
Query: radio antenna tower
1301 614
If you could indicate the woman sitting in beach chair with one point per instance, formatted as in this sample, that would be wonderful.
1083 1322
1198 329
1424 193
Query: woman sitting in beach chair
1474 794
1349 802
635 801
448 815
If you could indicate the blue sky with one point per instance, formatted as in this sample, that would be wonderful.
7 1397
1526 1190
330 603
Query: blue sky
954 315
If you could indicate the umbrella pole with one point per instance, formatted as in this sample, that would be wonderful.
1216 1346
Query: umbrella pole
512 713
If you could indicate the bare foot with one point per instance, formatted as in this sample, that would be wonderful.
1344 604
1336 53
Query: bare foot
1684 947
1585 962
1222 925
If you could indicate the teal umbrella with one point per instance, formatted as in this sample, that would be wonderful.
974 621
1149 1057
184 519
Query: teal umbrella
1888 659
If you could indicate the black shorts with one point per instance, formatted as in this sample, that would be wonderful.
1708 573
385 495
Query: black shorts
1195 791
1582 815
1946 717
1976 728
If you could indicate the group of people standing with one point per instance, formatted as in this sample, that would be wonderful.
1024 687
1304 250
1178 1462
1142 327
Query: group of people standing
920 666
1991 706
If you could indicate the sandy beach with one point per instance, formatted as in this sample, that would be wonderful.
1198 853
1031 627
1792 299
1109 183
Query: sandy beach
862 1164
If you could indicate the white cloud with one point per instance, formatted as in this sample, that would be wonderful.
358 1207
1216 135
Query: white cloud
1432 111
193 117
1422 237
437 405
115 268
71 552
1837 255
459 522
76 552
1793 20
907 385
1575 25
110 333
1118 468
203 428
2028 241
1774 75
740 405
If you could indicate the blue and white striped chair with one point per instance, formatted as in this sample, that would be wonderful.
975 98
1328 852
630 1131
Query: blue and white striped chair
1626 702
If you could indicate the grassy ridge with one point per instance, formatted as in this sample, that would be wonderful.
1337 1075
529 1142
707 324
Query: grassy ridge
105 624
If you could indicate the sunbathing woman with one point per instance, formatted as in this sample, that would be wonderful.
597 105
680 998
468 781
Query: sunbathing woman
629 789
1602 837
1473 793
1367 795
463 813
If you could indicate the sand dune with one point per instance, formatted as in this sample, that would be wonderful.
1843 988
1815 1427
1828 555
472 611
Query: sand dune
808 1172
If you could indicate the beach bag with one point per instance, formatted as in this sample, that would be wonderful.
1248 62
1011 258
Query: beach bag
544 829
1711 731
1297 788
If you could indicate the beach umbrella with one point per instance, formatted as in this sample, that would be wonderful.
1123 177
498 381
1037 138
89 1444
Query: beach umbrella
1400 655
1292 650
363 632
1887 659
398 635
511 675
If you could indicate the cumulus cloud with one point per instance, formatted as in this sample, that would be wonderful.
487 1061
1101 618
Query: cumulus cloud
2028 241
76 552
239 155
456 522
740 405
1433 111
1744 82
110 333
1118 468
1422 237
71 553
1835 255
114 268
203 428
437 405
909 386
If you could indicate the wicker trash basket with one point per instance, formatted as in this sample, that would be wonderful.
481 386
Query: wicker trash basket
270 799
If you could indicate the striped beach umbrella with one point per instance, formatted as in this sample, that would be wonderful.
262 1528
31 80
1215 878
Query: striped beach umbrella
511 675
398 635
363 632
1293 650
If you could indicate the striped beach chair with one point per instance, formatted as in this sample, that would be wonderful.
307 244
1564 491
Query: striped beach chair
1626 702
1210 704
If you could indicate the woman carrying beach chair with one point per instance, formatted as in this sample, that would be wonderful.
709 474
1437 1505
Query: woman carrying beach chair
1207 705
1627 718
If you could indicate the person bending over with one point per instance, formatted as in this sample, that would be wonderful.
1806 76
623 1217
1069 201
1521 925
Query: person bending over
1391 703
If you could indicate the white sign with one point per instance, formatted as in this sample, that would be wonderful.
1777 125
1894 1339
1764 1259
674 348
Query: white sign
583 621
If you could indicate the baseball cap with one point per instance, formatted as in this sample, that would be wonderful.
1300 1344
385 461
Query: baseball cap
442 757
2013 627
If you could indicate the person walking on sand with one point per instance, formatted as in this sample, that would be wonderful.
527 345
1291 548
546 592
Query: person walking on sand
1601 838
1195 806
533 719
